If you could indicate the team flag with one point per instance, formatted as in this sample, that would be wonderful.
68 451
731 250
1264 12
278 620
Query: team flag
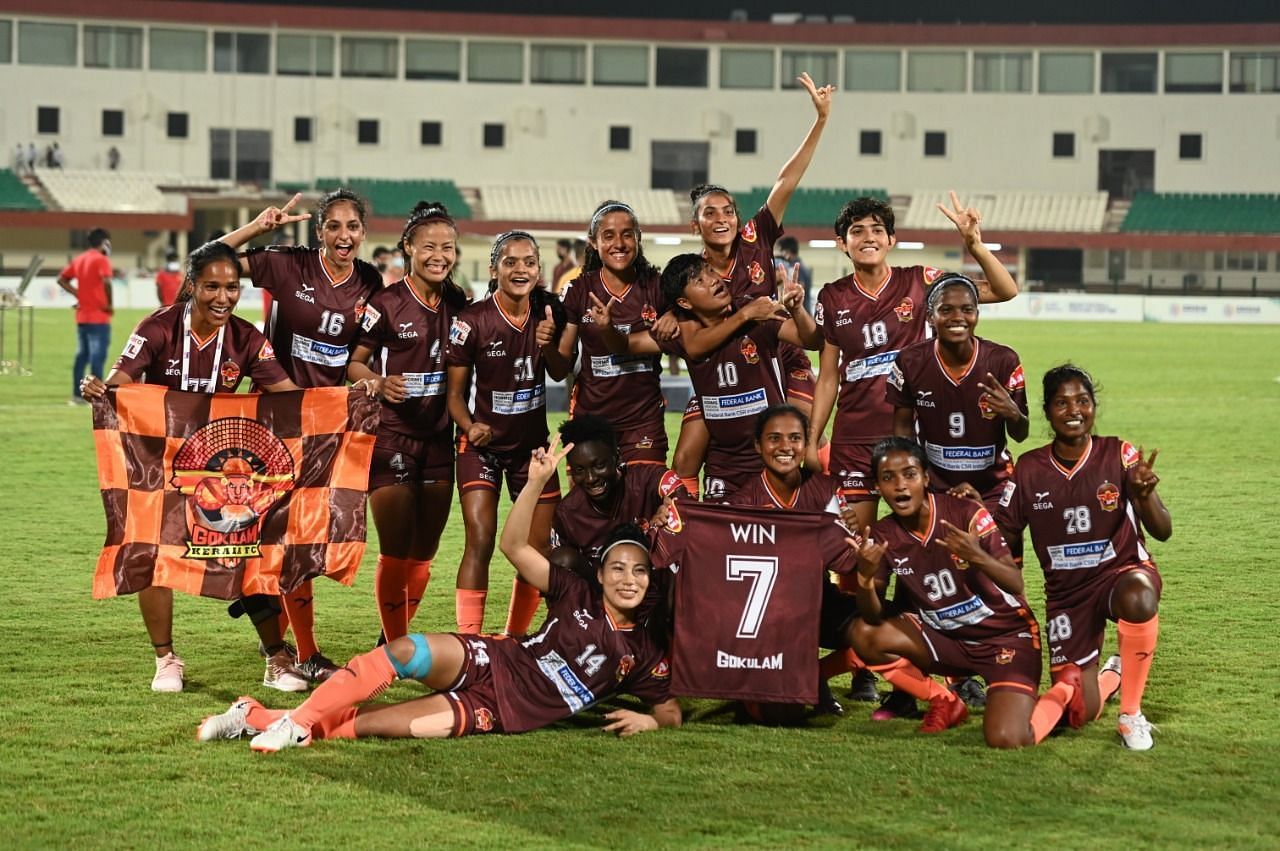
228 495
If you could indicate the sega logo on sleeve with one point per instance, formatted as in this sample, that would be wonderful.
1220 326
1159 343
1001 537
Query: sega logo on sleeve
872 367
961 458
1080 556
738 405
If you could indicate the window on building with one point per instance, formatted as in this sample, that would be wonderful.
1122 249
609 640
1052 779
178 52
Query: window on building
684 67
869 143
112 47
431 133
112 122
177 50
6 42
1066 73
617 65
744 142
376 58
243 155
367 131
303 129
304 55
1002 72
1254 72
432 60
821 65
1190 146
177 125
241 53
1129 72
746 68
495 62
935 143
495 135
935 71
565 64
46 44
1064 145
619 138
48 119
872 71
1192 72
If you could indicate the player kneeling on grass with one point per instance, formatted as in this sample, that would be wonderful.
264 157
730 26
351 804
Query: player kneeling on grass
969 615
591 647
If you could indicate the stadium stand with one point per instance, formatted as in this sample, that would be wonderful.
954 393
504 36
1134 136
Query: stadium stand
398 197
14 194
574 202
113 191
1182 212
809 207
1077 212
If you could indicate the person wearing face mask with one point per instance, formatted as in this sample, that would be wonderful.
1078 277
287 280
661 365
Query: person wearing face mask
91 272
168 279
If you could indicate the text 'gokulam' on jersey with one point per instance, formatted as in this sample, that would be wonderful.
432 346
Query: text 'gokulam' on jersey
748 598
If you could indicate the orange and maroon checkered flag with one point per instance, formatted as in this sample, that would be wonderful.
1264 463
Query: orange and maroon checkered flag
231 494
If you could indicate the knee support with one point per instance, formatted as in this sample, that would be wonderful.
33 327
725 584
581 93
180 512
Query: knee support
419 665
259 607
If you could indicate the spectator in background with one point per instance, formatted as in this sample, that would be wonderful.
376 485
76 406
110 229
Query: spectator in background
113 161
91 271
55 161
564 260
19 160
168 279
31 157
789 253
577 253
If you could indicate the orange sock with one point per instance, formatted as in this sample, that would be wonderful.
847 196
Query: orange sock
905 676
835 663
524 603
299 606
691 485
1108 683
469 610
824 456
1137 646
389 583
419 576
341 725
260 717
361 679
1049 709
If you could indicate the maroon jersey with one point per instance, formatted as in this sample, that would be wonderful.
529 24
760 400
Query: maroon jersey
947 594
748 597
870 328
624 389
508 374
163 350
735 383
641 489
408 338
817 492
578 658
964 439
1082 519
315 318
751 275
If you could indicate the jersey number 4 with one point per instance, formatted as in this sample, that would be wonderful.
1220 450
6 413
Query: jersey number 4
762 573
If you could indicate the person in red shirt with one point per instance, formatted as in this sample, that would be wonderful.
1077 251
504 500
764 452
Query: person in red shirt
594 644
91 271
197 345
169 279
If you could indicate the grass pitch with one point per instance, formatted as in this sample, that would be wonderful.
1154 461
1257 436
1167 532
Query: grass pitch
89 757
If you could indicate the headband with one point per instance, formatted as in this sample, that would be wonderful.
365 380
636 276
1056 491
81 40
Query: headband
951 279
426 214
710 189
611 208
504 238
642 544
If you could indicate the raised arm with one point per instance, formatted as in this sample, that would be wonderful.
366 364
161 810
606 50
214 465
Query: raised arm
1151 509
801 329
998 285
545 332
531 564
701 340
870 589
824 400
268 220
789 177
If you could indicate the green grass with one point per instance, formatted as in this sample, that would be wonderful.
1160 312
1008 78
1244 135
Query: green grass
89 757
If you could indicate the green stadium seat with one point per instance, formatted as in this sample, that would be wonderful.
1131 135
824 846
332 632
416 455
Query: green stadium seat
14 194
1186 212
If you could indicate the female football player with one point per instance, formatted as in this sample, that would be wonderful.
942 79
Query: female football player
1087 500
500 351
404 332
593 644
197 345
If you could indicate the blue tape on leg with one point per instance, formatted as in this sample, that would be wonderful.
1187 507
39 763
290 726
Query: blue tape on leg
419 665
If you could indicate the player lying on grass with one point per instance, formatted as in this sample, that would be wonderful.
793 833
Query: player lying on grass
964 612
590 647
1086 500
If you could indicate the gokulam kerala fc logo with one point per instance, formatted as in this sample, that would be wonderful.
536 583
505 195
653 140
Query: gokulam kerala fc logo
232 471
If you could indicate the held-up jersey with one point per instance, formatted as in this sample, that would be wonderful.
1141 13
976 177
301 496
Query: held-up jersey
641 490
870 328
1082 520
817 492
508 375
578 658
946 593
735 384
154 354
408 337
624 389
965 440
748 597
315 319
